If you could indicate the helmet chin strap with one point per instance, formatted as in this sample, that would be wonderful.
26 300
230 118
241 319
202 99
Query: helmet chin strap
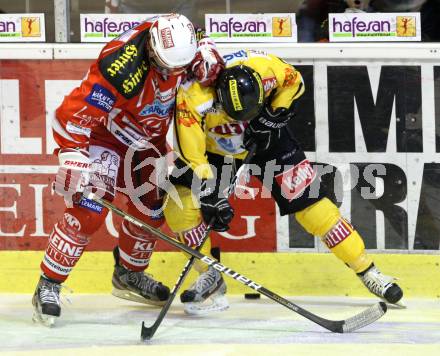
163 70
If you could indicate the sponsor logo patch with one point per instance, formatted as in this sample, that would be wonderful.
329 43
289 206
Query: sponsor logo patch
167 37
289 77
194 237
30 27
235 98
406 26
269 83
126 68
77 129
157 108
294 181
184 116
101 98
129 53
229 128
72 221
338 233
281 26
91 205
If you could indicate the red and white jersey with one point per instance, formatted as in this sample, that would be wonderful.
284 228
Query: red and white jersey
122 92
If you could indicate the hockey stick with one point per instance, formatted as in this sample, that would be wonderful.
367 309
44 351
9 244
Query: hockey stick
147 332
356 322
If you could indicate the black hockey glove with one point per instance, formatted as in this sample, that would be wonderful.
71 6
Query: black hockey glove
264 130
215 206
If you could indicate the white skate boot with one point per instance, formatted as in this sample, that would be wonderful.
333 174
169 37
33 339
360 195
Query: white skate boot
206 294
381 285
137 286
46 302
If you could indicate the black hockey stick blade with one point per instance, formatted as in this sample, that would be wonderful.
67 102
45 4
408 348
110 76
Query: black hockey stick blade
364 318
147 332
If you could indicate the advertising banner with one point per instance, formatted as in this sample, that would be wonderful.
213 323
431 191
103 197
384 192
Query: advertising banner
22 28
252 27
374 27
370 127
105 27
30 91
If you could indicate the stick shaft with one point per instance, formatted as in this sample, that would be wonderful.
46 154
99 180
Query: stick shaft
148 332
334 326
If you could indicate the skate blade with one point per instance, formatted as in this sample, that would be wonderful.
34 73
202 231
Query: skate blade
46 320
129 295
210 305
399 305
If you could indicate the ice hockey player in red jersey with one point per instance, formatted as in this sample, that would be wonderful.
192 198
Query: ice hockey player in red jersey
107 128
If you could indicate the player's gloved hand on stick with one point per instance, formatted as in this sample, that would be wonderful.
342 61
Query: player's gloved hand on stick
215 206
208 63
72 175
264 130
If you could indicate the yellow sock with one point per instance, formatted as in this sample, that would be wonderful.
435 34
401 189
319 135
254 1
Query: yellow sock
323 219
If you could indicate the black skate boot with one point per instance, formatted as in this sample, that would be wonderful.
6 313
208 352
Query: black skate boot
206 294
137 286
46 301
381 285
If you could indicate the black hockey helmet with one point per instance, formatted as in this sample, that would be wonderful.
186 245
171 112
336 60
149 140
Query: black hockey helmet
240 91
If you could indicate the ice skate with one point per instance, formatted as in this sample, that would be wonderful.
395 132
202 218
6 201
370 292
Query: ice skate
382 286
206 295
137 286
46 302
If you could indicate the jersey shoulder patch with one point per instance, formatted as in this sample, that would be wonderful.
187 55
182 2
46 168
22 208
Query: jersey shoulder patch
126 68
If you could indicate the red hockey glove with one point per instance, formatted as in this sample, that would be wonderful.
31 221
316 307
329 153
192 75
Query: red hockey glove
208 63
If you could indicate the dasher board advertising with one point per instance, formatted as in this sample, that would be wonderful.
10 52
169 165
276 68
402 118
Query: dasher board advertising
101 28
22 28
276 27
374 27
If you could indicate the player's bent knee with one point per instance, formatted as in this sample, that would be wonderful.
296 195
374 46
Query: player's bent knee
181 213
89 221
319 218
185 220
323 219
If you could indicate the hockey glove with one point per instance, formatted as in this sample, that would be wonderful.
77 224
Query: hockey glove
215 207
264 130
72 175
208 63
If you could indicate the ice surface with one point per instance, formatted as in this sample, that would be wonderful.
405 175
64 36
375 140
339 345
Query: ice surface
101 324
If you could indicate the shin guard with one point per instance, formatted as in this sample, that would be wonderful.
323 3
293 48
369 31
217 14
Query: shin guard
323 219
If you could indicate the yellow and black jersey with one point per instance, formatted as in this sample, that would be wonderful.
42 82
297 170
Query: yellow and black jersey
202 126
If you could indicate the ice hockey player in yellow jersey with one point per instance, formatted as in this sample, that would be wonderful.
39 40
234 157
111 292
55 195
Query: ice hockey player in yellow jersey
252 101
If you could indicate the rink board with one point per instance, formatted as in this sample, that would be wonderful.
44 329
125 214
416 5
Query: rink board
366 106
315 274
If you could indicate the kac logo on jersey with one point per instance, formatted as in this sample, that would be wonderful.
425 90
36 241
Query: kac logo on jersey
101 98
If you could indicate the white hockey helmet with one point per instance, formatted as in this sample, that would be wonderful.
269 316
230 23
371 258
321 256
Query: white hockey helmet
173 42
